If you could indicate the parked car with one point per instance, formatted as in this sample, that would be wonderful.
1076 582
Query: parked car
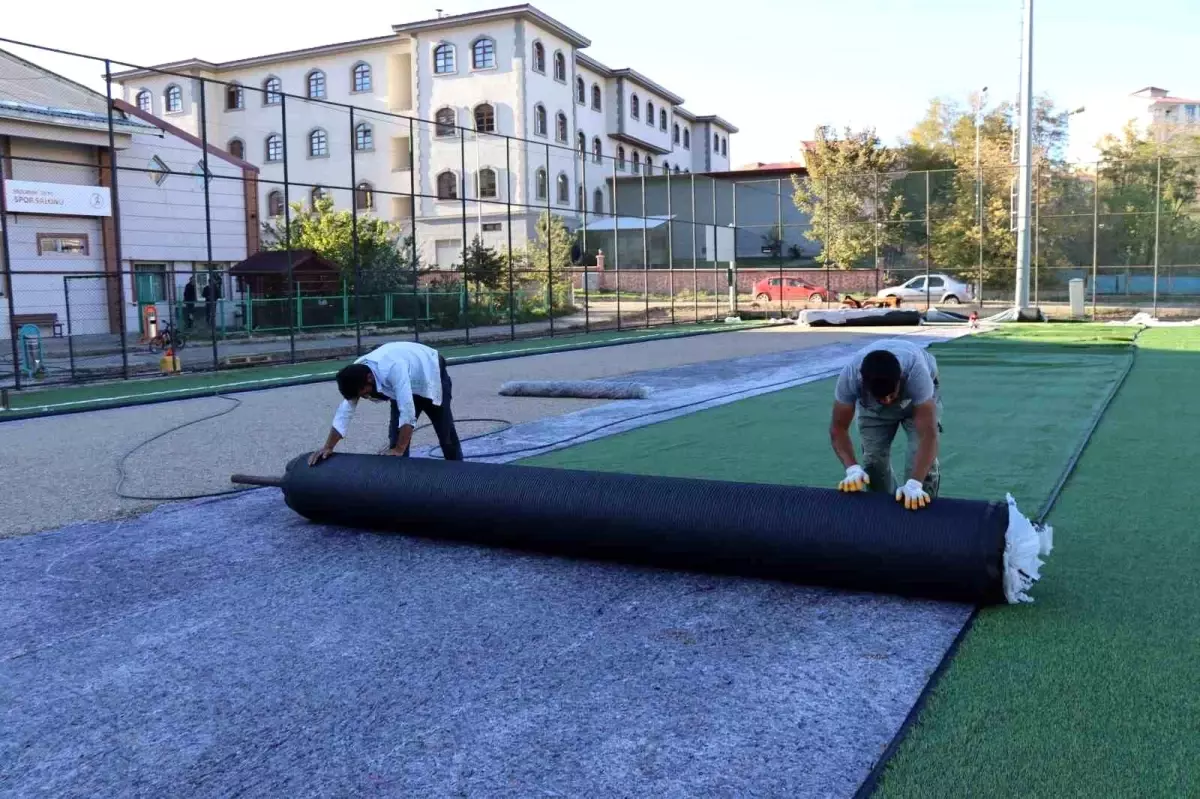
942 290
772 289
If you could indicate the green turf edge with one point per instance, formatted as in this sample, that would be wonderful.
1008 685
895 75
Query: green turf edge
1092 690
144 391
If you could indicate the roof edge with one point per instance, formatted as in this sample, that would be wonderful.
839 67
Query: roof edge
525 10
646 83
162 124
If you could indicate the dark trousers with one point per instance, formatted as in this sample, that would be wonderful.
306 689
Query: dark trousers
440 416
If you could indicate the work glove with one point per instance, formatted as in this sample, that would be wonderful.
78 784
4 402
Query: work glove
913 495
856 480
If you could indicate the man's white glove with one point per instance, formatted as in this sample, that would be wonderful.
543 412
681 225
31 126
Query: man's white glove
913 495
856 480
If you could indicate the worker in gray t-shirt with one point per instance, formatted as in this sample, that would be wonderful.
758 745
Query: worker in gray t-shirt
892 384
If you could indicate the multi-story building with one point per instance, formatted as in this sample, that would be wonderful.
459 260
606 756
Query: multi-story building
1157 112
455 125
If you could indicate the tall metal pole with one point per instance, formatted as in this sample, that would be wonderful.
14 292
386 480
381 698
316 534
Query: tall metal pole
695 261
733 249
979 194
354 236
670 247
208 222
8 281
616 243
549 248
779 241
645 248
465 294
875 224
1037 234
1157 220
512 313
1025 160
716 263
287 228
583 201
412 220
1095 235
116 209
928 241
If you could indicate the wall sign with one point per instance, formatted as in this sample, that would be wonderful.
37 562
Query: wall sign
63 199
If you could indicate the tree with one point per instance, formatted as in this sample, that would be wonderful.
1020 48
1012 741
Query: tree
547 259
483 267
848 196
385 257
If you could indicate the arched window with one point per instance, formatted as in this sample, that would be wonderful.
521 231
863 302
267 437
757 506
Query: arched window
272 91
234 99
580 91
716 142
144 101
360 77
318 144
687 139
675 134
666 167
564 189
597 202
650 114
485 184
597 150
662 119
443 59
560 67
649 164
274 148
539 58
236 148
316 195
635 107
579 206
595 97
724 147
445 122
364 196
676 169
620 158
539 184
364 137
539 120
447 186
173 99
316 84
275 203
483 54
560 126
581 138
636 160
485 118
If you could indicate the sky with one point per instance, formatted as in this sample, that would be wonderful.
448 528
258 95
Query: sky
775 68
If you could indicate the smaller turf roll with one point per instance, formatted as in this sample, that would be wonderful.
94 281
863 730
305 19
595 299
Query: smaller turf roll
574 389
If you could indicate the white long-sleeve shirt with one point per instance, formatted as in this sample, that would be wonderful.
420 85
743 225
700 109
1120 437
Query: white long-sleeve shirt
401 369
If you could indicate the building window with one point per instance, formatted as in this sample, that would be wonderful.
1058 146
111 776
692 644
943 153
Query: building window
237 148
447 186
716 143
560 127
539 120
581 138
483 54
539 58
579 206
360 78
144 101
364 197
635 107
675 134
364 137
597 202
445 122
275 203
676 169
650 114
564 189
485 184
173 99
274 149
724 146
666 167
318 144
234 98
595 97
597 150
662 119
560 67
540 188
62 244
443 59
580 91
636 160
316 84
316 196
272 91
687 139
492 227
620 158
649 164
485 118
158 170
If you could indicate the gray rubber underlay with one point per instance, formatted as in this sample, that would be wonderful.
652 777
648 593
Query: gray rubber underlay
229 647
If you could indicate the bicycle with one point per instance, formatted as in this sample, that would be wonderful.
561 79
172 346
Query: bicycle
168 338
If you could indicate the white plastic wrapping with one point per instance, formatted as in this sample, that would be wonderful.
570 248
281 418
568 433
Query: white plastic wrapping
1025 544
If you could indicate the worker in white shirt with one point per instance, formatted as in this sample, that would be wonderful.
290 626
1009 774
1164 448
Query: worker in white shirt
414 378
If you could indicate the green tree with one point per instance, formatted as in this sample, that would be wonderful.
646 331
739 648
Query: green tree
484 267
849 197
385 256
546 260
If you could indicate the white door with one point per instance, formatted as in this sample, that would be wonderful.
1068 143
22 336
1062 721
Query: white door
447 253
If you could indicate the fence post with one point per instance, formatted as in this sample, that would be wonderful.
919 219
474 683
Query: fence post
779 231
116 209
508 194
354 238
1095 235
695 261
616 244
716 264
412 214
287 228
583 201
8 284
549 243
670 246
928 241
875 223
1157 220
208 221
70 338
1037 232
464 292
645 245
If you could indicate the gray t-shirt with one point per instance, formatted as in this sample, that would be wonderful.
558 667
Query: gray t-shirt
918 370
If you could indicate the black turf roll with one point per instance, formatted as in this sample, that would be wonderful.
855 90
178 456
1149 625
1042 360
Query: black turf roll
908 318
951 550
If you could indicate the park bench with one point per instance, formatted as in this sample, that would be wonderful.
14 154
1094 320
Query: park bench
39 320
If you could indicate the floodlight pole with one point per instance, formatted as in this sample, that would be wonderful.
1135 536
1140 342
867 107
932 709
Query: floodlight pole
1025 160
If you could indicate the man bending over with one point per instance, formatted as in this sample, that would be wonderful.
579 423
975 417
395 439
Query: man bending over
892 384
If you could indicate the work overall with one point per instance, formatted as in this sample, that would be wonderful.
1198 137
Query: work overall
877 428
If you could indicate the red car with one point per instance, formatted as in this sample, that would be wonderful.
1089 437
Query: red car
793 289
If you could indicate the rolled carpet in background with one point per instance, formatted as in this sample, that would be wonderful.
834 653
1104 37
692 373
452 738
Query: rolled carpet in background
575 389
960 550
858 317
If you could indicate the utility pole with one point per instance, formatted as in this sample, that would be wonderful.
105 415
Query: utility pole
1025 160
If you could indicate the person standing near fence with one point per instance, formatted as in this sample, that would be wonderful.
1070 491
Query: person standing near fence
189 303
210 302
414 378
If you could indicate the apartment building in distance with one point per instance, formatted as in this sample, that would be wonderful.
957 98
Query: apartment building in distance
513 110
1156 111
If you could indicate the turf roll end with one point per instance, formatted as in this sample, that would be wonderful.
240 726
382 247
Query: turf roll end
574 389
1025 544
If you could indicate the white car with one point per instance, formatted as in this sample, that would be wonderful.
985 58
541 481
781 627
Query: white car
942 290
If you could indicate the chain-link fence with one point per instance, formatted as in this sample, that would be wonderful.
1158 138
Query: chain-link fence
262 220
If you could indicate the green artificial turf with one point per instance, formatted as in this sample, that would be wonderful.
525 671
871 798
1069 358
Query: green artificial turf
1094 691
25 404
